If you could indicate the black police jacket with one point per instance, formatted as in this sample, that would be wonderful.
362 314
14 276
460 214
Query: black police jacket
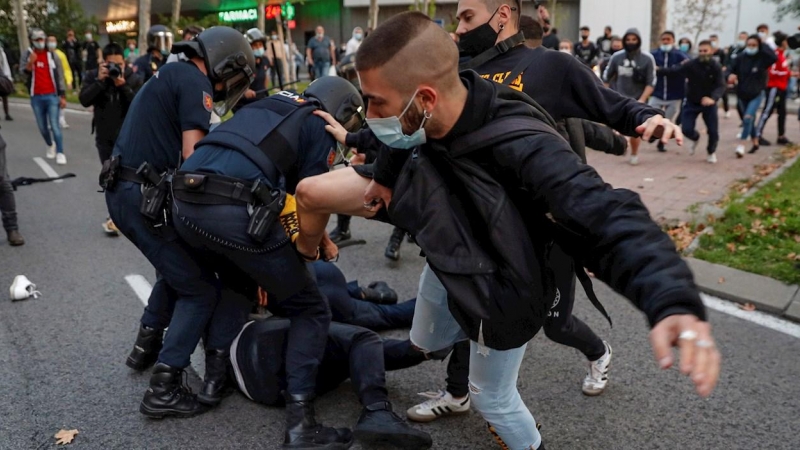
553 196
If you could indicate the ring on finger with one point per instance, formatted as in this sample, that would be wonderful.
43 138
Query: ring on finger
703 343
688 335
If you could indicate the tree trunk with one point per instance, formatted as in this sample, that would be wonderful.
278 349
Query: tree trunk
261 20
176 14
144 24
22 28
425 7
372 23
658 21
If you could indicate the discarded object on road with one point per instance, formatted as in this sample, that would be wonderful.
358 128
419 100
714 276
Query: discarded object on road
23 289
27 181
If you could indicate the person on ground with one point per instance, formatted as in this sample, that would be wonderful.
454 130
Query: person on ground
749 72
44 76
52 45
355 41
585 50
705 84
321 53
670 87
73 48
604 41
8 206
776 93
438 101
634 72
5 70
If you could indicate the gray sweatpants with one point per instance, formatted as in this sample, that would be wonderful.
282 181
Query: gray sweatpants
8 207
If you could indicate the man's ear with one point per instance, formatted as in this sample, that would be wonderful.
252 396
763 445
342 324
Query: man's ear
429 96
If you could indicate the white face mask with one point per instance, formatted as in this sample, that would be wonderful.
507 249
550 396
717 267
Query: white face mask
274 37
565 50
88 37
389 130
762 35
52 45
132 47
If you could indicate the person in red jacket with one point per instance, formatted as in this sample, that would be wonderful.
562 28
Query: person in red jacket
777 82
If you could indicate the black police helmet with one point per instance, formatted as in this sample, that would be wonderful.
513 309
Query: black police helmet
255 35
228 59
159 37
339 98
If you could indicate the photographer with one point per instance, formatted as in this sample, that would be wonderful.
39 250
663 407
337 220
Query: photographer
109 89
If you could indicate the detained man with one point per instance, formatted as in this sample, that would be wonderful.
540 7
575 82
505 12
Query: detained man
425 114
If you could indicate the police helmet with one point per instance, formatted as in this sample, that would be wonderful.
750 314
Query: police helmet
159 38
339 98
255 35
192 31
228 59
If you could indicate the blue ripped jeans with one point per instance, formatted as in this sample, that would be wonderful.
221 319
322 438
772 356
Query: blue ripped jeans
45 109
492 373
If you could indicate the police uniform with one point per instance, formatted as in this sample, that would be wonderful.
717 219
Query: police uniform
147 65
258 84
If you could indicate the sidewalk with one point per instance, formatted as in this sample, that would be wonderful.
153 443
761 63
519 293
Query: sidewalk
671 182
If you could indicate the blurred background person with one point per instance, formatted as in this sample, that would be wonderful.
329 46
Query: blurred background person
749 73
585 50
355 41
73 48
52 45
777 85
670 87
5 70
131 51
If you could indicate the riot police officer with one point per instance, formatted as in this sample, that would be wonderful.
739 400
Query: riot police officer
159 43
228 199
258 87
167 118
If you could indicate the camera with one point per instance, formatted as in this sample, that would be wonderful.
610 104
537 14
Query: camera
114 70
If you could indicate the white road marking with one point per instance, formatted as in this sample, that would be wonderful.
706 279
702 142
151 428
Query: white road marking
757 317
141 287
47 169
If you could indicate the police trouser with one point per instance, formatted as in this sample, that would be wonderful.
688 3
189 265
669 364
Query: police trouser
221 230
559 326
183 277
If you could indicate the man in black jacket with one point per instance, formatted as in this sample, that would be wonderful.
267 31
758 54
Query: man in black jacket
109 89
428 109
705 85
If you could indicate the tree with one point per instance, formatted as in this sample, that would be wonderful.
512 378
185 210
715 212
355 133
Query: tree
53 16
786 8
658 21
698 16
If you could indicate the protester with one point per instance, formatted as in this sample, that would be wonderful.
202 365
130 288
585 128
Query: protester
5 71
585 50
721 57
565 46
8 206
531 29
131 52
321 53
763 33
685 45
73 48
777 84
616 46
52 45
670 88
604 42
734 52
355 41
92 54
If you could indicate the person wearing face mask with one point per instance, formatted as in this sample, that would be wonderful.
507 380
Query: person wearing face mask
685 45
705 84
260 82
159 43
762 31
72 47
749 72
735 51
131 52
777 84
52 45
354 42
91 52
276 55
604 42
550 39
44 76
635 74
586 51
721 57
616 46
669 91
565 46
320 53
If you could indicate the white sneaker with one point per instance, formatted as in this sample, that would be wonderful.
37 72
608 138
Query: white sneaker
22 289
597 378
740 151
439 404
727 114
634 160
738 135
712 158
64 124
61 159
51 152
693 147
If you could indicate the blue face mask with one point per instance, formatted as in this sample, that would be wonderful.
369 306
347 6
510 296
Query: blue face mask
389 130
684 48
666 47
259 52
751 50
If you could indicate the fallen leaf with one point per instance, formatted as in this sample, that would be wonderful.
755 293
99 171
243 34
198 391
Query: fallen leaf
797 238
755 209
778 185
791 256
742 248
748 307
731 247
649 180
680 178
64 437
721 280
703 192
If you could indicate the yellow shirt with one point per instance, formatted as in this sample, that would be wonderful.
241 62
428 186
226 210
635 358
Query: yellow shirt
65 65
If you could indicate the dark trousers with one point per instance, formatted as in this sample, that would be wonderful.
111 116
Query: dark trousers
559 326
195 285
5 104
710 117
776 101
220 230
276 74
104 148
347 307
725 102
8 206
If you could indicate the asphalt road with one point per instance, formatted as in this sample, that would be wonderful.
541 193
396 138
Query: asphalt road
62 355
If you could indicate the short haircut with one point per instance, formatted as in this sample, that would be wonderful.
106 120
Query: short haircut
712 36
565 41
616 38
389 38
668 33
493 5
704 42
762 27
530 27
585 28
743 32
780 38
756 37
608 27
112 49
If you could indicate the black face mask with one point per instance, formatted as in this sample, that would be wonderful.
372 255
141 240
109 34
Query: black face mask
704 58
632 47
476 41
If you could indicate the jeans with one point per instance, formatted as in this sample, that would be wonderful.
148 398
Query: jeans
492 373
45 108
749 108
776 100
710 117
349 309
8 207
321 68
220 230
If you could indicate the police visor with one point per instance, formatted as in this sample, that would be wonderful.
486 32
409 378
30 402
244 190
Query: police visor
233 89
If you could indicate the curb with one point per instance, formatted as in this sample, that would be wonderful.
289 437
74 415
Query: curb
767 294
70 106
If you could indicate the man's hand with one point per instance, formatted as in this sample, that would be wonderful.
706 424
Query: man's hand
32 58
62 102
119 81
102 72
707 101
699 356
377 196
732 79
333 127
357 158
668 129
249 94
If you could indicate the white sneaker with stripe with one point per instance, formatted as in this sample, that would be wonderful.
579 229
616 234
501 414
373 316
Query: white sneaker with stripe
439 404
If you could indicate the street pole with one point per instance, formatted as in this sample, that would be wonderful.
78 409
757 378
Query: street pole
261 11
144 24
22 27
176 15
372 22
738 16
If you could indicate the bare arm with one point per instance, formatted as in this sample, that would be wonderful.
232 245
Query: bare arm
648 91
190 138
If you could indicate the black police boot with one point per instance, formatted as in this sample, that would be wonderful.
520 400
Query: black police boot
379 292
342 230
379 425
168 395
145 350
393 248
303 431
215 385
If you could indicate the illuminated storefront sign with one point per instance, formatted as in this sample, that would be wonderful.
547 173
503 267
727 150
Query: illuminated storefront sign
120 26
239 15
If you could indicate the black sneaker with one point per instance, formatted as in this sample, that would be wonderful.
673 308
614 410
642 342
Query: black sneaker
9 118
661 147
762 141
379 292
379 425
393 247
783 141
753 149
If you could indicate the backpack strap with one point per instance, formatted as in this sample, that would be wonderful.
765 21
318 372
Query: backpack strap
586 282
497 50
497 131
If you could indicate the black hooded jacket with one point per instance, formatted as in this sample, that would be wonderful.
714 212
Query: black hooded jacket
607 230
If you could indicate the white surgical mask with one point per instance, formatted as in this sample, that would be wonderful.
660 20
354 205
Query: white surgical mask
389 130
132 47
741 43
259 52
750 50
88 37
684 48
320 35
667 47
51 45
38 44
358 36
274 37
762 35
565 50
